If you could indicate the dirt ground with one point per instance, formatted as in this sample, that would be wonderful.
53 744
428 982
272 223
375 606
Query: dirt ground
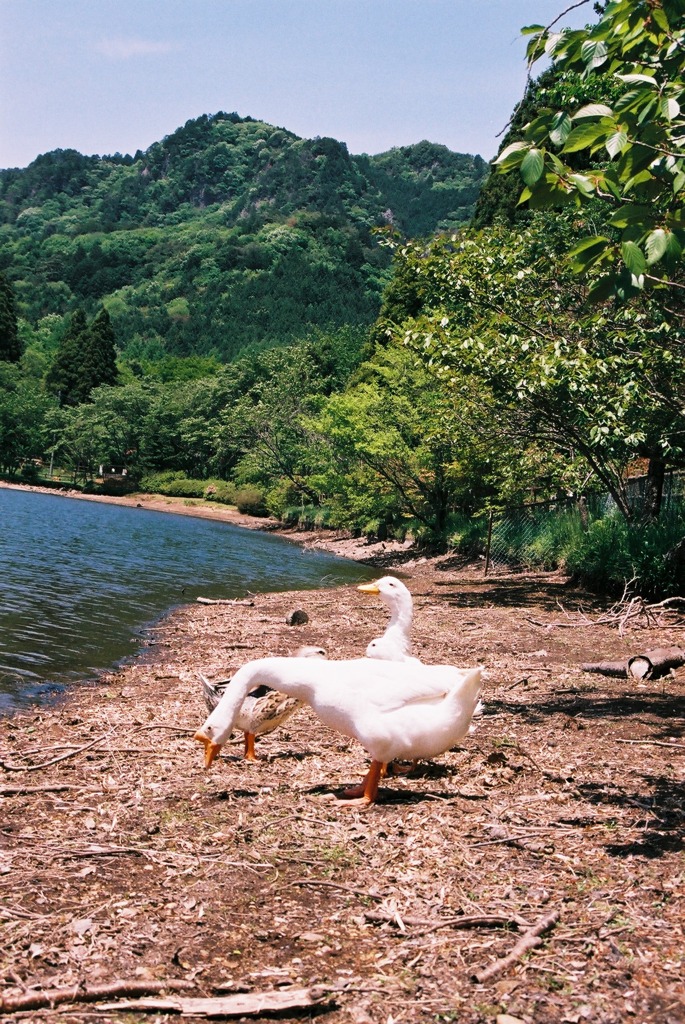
122 859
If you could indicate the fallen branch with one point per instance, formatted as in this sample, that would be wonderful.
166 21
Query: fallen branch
335 885
242 1004
100 851
24 790
54 760
634 610
50 997
529 940
653 743
221 600
463 921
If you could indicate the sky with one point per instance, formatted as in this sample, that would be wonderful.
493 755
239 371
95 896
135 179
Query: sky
115 76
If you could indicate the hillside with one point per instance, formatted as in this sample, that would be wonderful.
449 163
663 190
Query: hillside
227 233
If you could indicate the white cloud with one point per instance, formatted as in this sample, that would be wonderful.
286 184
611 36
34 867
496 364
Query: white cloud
125 49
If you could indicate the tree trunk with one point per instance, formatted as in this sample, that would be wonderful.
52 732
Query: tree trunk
654 486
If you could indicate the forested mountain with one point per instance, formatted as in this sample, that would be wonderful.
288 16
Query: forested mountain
226 234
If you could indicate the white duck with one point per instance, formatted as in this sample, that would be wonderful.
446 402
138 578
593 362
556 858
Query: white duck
263 709
395 709
384 648
395 644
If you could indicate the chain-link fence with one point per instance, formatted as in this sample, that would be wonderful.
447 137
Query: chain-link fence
532 536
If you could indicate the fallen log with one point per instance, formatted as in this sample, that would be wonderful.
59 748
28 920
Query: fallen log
650 665
242 1004
656 663
607 668
226 600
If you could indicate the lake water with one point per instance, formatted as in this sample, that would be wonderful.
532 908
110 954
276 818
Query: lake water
81 580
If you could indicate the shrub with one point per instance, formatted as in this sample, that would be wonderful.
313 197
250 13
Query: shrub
220 491
282 501
30 472
466 534
115 488
250 501
614 552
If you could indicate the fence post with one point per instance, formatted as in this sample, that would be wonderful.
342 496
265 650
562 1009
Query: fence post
487 544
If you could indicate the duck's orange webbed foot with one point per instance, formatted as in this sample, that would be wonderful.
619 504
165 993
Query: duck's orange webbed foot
366 792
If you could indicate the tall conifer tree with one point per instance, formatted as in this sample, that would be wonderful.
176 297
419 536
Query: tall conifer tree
99 355
64 377
86 358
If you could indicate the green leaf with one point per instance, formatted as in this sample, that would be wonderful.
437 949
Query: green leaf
634 79
675 248
553 40
512 156
656 245
582 183
548 192
593 110
532 30
584 136
659 18
633 160
561 128
630 215
591 242
676 217
532 166
587 252
603 288
669 108
538 130
593 53
616 143
634 258
634 100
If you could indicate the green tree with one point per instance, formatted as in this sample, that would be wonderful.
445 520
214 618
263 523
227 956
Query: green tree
10 343
64 376
503 313
262 431
24 408
396 452
99 365
85 359
635 146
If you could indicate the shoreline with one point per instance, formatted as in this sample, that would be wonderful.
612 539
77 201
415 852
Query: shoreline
338 542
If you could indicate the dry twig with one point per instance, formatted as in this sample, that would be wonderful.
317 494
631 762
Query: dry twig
463 921
54 760
529 940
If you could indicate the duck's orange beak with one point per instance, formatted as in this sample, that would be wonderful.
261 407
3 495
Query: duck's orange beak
211 748
368 588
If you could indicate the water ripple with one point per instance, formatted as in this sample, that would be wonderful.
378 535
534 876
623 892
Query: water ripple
79 580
